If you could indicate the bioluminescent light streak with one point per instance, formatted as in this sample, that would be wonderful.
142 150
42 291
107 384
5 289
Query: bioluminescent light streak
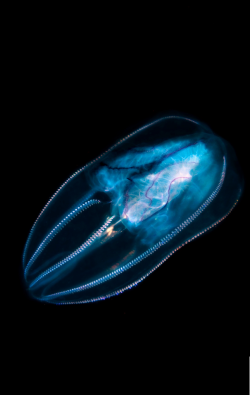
118 218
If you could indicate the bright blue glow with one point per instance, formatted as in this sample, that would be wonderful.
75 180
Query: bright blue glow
143 184
120 217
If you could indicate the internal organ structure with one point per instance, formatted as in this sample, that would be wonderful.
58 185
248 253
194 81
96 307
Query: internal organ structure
144 181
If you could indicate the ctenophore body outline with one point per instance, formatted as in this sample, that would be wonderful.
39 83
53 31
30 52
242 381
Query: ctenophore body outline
118 218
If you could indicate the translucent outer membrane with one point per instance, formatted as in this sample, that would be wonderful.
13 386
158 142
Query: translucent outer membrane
121 216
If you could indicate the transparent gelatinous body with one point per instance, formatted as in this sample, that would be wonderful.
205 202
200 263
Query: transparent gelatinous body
117 219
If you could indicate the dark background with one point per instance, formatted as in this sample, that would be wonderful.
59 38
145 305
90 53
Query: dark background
69 112
73 89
